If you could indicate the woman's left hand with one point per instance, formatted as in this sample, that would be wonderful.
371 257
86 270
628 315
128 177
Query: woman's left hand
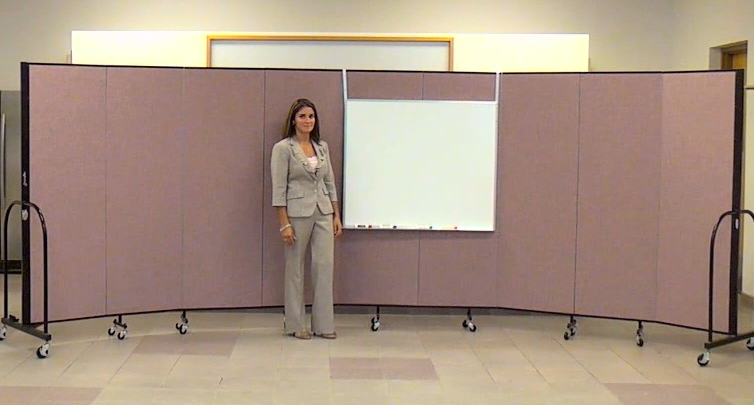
337 226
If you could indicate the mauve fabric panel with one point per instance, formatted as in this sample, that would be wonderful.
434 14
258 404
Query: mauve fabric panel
385 85
144 202
537 184
697 173
459 86
458 268
67 182
379 267
222 196
282 88
619 195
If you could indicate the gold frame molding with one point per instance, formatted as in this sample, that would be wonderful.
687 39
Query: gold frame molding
333 38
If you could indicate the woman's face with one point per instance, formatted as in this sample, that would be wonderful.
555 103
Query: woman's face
304 120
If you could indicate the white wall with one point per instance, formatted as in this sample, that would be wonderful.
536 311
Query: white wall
701 25
470 53
624 35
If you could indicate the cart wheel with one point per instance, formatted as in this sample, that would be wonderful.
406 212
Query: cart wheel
122 335
566 335
472 327
750 344
703 359
3 333
111 331
182 328
375 326
43 351
639 341
465 323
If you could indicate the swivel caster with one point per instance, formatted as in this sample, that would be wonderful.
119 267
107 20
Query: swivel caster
468 323
43 351
182 328
639 341
703 359
3 333
376 323
749 344
570 329
118 324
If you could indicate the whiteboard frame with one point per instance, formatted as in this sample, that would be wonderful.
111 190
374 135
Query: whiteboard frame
496 102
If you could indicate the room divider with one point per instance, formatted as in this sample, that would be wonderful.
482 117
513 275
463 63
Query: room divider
156 188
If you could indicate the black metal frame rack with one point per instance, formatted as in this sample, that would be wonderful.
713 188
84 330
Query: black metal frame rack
704 358
10 320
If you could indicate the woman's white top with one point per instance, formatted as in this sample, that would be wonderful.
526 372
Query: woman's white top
313 162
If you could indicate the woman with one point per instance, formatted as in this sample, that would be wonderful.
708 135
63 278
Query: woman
304 194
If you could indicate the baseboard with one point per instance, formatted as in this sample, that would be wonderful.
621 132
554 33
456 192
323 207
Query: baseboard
745 301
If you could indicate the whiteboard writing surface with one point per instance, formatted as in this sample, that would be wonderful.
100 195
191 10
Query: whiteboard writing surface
420 164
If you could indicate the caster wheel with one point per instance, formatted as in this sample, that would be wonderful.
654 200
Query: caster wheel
3 333
749 343
573 331
375 326
703 359
111 331
465 323
43 351
182 328
639 342
472 327
566 335
121 335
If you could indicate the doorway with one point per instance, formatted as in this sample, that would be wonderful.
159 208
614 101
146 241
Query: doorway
732 57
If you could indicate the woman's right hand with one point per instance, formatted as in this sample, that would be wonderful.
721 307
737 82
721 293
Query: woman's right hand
288 236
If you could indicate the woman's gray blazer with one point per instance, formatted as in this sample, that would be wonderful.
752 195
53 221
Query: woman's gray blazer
298 187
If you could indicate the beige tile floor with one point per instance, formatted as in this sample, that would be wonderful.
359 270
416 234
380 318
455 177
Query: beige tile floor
244 358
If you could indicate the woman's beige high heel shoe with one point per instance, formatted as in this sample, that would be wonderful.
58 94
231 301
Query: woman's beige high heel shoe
302 335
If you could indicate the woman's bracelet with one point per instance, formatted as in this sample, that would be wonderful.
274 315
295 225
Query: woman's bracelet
285 227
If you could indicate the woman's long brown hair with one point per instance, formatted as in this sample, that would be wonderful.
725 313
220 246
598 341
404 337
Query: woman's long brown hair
290 126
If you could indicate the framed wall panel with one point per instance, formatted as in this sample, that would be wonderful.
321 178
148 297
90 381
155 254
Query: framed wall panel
282 88
64 173
537 191
224 152
701 179
458 269
620 139
145 165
